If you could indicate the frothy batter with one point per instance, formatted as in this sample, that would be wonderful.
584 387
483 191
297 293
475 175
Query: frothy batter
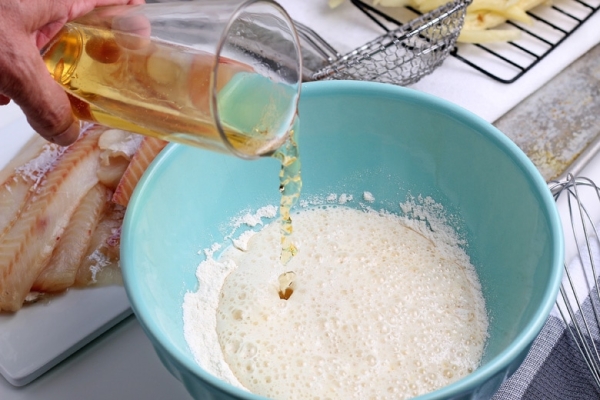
378 310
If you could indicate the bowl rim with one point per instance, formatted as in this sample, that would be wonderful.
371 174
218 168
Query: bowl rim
369 89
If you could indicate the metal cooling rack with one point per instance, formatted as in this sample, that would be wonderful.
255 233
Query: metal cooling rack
507 62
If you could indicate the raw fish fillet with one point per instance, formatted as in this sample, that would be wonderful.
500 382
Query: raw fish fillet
148 150
28 244
19 178
31 149
118 147
59 274
110 175
100 265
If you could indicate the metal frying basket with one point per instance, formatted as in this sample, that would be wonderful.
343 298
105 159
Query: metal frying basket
401 56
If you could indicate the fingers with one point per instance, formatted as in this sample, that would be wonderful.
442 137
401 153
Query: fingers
132 32
24 77
65 137
47 17
79 7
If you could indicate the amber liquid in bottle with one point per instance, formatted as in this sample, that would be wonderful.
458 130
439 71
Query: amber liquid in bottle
147 86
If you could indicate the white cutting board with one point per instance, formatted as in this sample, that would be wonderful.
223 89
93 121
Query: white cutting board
41 335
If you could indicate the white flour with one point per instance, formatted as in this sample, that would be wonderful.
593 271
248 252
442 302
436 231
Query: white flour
199 309
37 168
368 197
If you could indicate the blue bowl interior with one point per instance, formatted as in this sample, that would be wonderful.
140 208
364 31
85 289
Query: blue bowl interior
356 137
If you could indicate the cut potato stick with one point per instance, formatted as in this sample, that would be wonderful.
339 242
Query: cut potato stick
391 3
492 5
27 246
481 15
489 36
517 14
482 20
59 274
531 4
148 150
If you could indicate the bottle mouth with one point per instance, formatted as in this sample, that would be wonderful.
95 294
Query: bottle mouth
62 54
256 109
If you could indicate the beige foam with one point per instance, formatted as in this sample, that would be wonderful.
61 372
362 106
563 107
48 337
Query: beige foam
378 310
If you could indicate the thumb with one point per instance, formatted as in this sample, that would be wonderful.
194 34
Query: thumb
43 101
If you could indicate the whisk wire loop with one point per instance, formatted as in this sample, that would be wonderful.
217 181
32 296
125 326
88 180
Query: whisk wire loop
580 287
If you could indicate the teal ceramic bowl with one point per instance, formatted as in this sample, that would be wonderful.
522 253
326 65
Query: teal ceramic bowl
356 136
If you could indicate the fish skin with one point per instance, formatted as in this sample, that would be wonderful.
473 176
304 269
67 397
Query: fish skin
27 246
148 150
60 271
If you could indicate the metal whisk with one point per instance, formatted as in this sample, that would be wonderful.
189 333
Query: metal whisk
579 300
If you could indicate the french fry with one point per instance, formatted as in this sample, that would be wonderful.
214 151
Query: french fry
391 3
491 5
489 35
481 19
531 4
517 14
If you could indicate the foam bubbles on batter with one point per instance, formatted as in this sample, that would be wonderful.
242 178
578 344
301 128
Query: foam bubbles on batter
378 310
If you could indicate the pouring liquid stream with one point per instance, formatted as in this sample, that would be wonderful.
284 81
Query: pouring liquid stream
290 186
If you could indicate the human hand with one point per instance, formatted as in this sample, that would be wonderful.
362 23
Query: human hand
25 27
